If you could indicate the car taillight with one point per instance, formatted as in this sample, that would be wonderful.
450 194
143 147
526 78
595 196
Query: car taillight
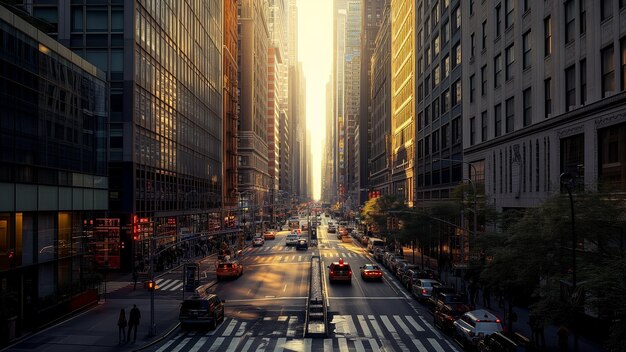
424 291
350 272
498 321
332 272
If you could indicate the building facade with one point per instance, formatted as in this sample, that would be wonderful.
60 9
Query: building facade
403 23
438 100
545 97
340 123
54 232
254 180
230 115
380 107
352 90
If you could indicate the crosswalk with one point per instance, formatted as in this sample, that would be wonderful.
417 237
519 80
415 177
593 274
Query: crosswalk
284 333
169 284
286 254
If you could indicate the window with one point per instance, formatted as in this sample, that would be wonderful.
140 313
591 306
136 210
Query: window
484 43
445 37
97 19
509 9
612 156
446 67
497 120
456 51
573 155
472 46
456 130
583 82
426 115
446 3
510 59
456 18
472 88
426 56
570 88
420 120
436 76
547 36
483 126
445 135
526 5
472 131
608 71
510 115
420 92
526 48
498 20
435 138
426 85
445 101
436 46
77 19
547 92
582 8
497 71
435 15
456 91
435 109
427 145
528 106
570 28
606 9
483 77
471 7
623 62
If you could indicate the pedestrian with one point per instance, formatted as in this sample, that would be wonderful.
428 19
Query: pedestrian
133 321
563 334
121 324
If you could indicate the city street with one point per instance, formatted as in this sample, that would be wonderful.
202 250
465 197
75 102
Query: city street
265 307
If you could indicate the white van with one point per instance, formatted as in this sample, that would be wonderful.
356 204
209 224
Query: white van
292 239
375 243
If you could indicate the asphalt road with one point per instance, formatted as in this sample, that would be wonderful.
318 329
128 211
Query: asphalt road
265 307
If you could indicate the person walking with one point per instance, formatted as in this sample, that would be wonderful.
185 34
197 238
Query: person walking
133 321
121 324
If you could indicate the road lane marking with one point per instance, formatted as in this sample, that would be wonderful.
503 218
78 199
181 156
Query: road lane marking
242 329
374 344
418 344
177 287
366 298
358 345
375 325
280 344
263 299
285 288
343 344
198 344
182 344
216 345
291 331
388 324
328 345
164 347
364 327
232 347
308 343
402 325
230 328
435 344
415 325
282 318
351 326
246 347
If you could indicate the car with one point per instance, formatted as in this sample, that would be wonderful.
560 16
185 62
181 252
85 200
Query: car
340 271
229 269
269 235
346 239
379 253
445 315
501 342
409 278
443 295
302 244
371 272
292 239
422 288
332 229
475 325
394 261
364 240
374 243
402 269
258 241
205 309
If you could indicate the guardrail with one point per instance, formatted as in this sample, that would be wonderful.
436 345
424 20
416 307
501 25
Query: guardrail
316 321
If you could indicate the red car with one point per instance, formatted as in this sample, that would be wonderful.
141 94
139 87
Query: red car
340 271
445 315
371 272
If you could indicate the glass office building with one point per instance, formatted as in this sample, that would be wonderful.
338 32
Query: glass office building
53 174
163 61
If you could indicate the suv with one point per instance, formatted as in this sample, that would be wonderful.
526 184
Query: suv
473 326
443 295
340 271
231 269
302 244
201 310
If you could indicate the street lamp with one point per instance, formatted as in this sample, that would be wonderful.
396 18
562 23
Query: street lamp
569 182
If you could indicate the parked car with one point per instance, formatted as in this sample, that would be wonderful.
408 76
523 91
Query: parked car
375 243
229 269
340 271
409 278
423 287
443 295
371 272
201 310
402 267
394 261
501 342
445 315
379 253
474 326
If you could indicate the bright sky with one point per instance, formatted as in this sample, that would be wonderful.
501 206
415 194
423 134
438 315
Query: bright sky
315 42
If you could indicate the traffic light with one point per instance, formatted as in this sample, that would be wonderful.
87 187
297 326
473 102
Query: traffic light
150 285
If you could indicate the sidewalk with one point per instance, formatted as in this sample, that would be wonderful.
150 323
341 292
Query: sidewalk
521 325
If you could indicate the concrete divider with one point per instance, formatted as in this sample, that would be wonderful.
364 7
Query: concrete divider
316 309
